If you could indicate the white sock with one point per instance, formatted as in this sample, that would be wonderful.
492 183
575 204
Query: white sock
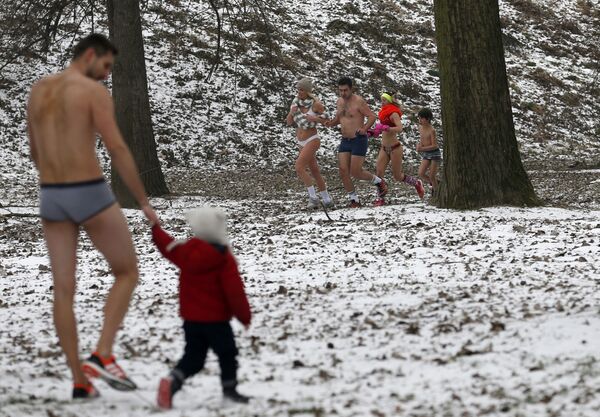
311 192
376 180
353 196
325 196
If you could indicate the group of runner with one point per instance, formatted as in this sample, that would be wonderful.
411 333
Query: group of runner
65 112
357 122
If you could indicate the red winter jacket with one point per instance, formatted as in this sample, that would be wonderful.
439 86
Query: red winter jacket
210 286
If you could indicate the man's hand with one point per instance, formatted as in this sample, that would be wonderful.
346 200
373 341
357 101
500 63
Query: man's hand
150 214
362 131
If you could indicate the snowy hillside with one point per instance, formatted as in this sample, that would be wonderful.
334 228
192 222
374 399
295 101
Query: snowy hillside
236 117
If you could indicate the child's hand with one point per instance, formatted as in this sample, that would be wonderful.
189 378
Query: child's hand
418 147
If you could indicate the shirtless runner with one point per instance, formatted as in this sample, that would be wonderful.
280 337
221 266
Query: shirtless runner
351 113
65 111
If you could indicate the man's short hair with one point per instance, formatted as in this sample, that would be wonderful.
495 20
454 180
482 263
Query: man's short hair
426 113
96 41
345 81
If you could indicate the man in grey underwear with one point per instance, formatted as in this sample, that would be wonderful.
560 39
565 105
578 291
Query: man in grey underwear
65 112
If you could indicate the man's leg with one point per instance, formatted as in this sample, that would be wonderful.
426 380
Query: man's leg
344 168
61 240
356 168
110 234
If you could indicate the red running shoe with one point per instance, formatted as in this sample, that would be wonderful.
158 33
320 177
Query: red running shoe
420 189
354 204
85 391
382 188
97 366
379 202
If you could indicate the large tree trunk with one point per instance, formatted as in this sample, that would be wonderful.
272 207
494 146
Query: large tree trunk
482 164
132 106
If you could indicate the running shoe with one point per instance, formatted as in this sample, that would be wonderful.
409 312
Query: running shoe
379 202
382 188
329 205
107 369
420 189
354 204
313 203
85 391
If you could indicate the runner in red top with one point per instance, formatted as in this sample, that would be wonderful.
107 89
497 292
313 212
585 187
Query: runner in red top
391 148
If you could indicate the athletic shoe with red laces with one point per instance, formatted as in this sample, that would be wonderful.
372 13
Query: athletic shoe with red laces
420 189
107 369
85 391
379 202
382 188
354 204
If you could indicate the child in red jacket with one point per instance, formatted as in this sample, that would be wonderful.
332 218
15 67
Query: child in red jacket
211 292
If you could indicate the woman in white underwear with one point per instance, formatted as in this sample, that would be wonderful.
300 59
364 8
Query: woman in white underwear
306 104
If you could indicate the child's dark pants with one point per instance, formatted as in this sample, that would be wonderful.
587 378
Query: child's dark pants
199 337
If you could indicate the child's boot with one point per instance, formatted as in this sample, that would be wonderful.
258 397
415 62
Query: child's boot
167 388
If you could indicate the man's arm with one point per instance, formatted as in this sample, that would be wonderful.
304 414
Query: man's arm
338 112
103 115
368 113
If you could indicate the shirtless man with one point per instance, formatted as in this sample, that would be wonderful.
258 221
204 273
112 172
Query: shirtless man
65 111
351 113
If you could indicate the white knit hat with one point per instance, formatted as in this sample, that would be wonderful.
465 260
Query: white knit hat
209 224
306 84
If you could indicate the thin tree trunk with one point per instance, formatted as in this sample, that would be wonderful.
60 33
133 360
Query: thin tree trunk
132 105
482 164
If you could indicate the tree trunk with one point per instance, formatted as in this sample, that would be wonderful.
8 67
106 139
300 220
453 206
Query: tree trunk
132 105
482 164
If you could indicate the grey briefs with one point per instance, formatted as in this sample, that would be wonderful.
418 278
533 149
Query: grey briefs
75 201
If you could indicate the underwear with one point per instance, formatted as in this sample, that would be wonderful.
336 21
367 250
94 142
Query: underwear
305 141
75 201
432 155
389 149
357 145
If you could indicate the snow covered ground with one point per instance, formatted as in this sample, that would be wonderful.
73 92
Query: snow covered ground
405 310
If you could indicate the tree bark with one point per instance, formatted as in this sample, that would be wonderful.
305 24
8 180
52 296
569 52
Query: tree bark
482 164
132 104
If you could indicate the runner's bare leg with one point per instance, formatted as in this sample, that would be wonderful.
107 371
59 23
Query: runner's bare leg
307 153
356 168
344 168
396 158
110 234
382 162
61 240
316 173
